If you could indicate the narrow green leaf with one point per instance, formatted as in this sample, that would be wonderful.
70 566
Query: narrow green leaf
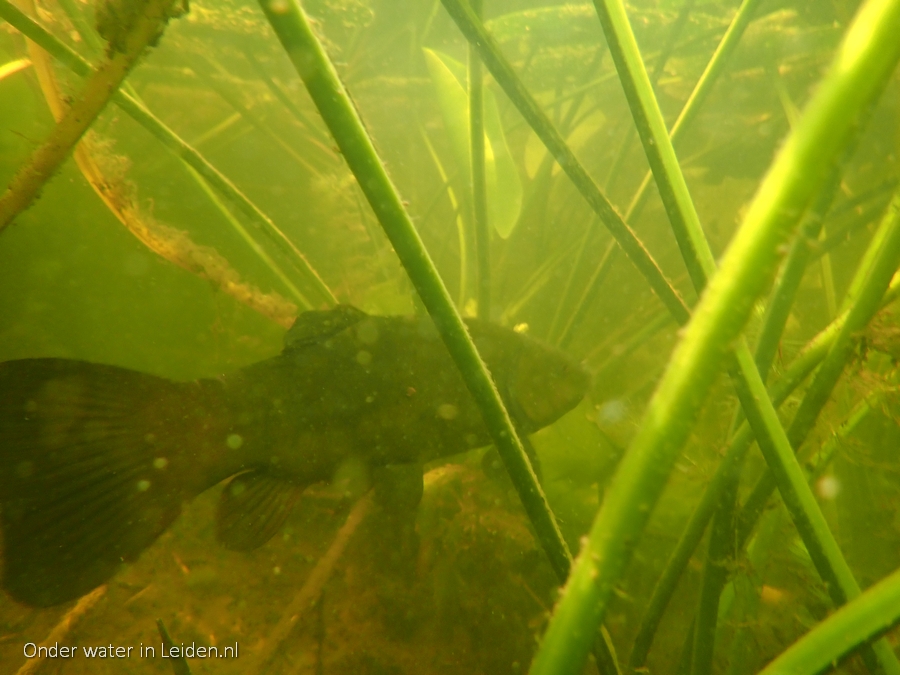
504 187
453 102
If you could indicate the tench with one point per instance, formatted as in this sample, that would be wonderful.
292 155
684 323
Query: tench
96 460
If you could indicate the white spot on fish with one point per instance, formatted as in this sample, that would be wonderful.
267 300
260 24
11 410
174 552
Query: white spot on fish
367 332
143 485
279 6
160 463
369 399
234 441
363 357
521 328
237 488
276 570
447 411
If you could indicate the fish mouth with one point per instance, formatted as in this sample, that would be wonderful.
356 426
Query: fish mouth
545 387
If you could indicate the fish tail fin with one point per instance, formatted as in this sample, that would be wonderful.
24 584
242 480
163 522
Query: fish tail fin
90 462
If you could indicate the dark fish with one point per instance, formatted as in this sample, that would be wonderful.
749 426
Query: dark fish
96 460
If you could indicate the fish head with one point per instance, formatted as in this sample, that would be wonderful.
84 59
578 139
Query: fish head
545 384
538 383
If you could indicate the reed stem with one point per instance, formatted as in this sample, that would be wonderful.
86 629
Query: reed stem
863 63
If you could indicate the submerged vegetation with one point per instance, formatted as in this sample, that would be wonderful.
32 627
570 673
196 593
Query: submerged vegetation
697 198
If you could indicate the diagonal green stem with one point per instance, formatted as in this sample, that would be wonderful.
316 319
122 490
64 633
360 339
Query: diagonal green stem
866 57
695 101
800 368
869 279
479 180
855 624
334 104
181 149
701 91
748 383
474 31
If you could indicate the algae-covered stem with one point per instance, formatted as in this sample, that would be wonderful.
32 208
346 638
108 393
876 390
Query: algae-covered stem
858 622
867 55
471 27
27 183
776 445
290 24
479 180
181 149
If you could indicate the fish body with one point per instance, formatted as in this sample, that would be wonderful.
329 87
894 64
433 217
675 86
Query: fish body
96 460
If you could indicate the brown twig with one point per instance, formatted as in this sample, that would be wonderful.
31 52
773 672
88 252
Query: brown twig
61 630
312 588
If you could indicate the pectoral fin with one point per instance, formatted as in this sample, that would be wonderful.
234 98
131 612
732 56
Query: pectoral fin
252 509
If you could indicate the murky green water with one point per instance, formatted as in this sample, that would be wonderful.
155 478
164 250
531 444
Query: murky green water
172 277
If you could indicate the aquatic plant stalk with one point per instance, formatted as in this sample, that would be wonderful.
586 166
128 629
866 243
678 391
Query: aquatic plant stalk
872 277
698 96
314 67
750 387
782 298
179 663
702 89
479 179
799 369
172 142
474 31
857 623
44 162
324 86
867 55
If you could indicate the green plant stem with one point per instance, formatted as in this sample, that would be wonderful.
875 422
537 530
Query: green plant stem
604 265
799 369
286 101
172 142
855 624
870 277
695 101
479 180
782 299
748 383
863 63
209 72
701 90
658 67
324 86
472 28
715 576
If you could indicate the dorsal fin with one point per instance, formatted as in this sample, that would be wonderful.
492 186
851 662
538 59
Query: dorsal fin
317 325
90 473
252 508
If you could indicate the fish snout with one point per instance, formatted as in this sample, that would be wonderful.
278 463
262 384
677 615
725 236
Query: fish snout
547 384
